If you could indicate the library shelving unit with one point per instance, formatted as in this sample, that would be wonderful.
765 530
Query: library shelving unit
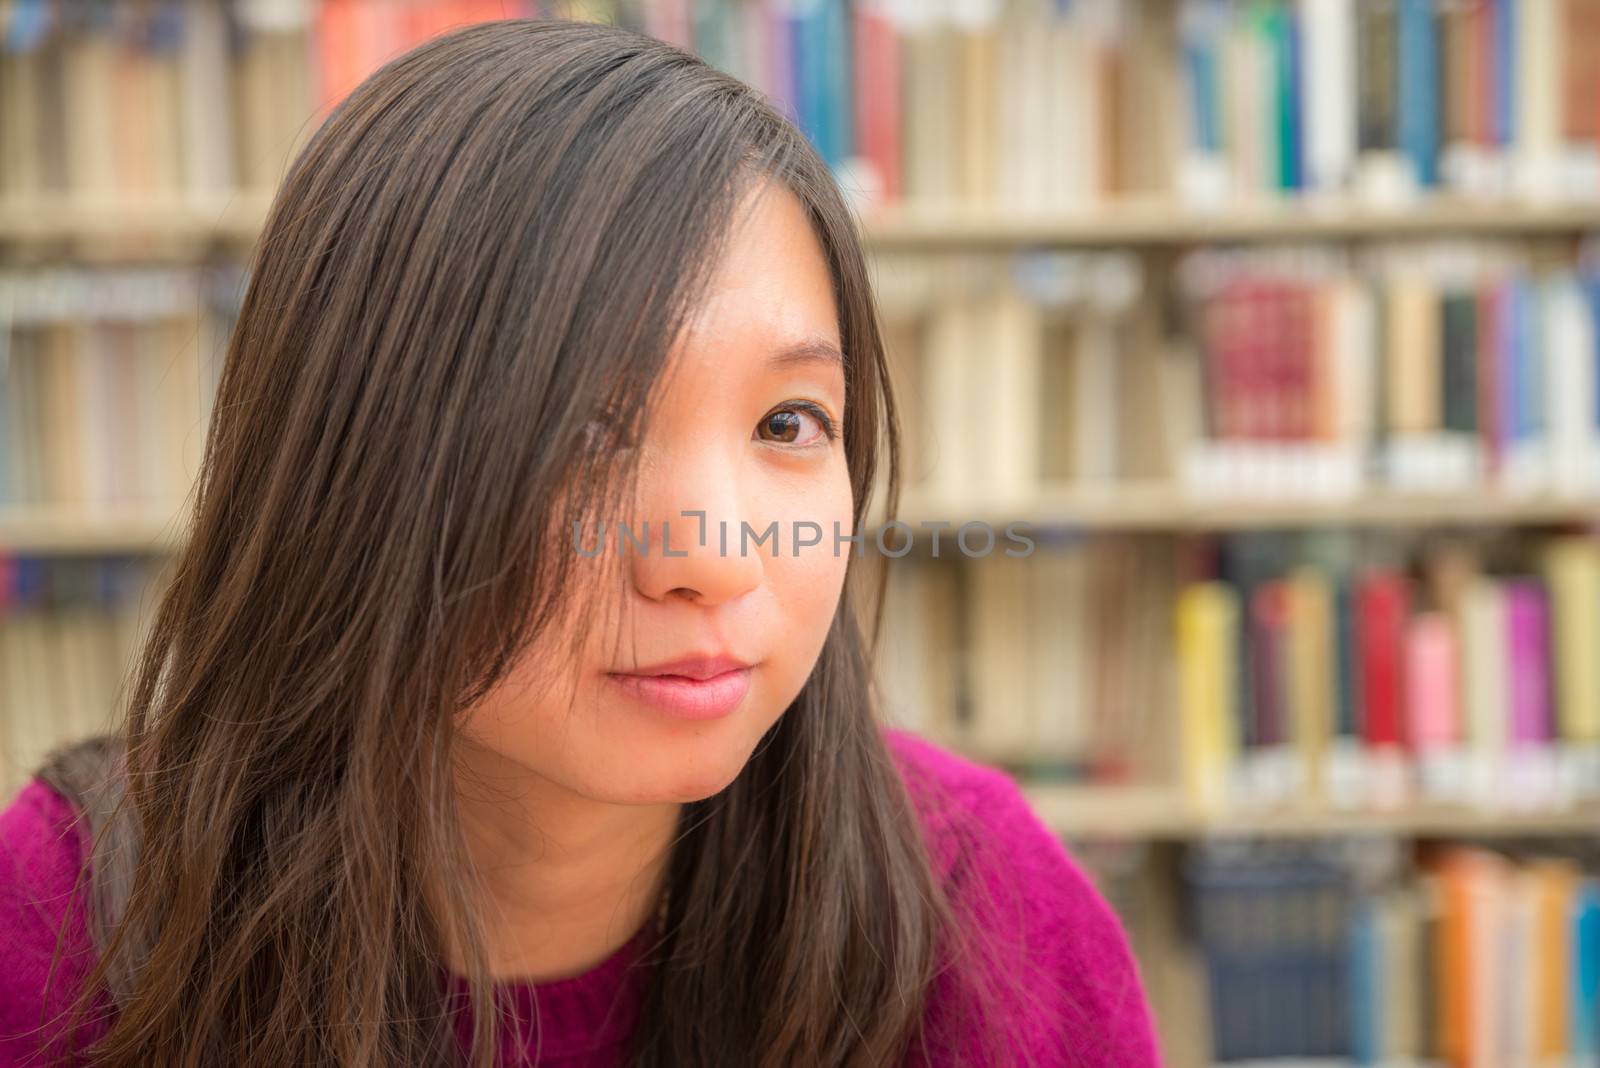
1197 229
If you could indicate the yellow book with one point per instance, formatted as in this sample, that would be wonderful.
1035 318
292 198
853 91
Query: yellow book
1573 568
1413 354
1207 625
978 109
1310 675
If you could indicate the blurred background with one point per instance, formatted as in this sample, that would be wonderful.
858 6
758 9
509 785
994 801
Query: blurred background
1275 320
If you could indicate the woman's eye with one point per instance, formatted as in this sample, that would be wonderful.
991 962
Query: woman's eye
787 426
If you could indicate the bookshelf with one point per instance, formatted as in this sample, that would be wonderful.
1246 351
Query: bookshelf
76 531
1157 223
1115 813
1157 507
1069 203
179 227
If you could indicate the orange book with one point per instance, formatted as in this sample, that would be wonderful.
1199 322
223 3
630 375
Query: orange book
1557 881
1580 103
1467 975
1453 962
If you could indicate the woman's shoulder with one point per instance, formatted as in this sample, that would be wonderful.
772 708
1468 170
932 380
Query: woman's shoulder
963 804
1055 939
41 851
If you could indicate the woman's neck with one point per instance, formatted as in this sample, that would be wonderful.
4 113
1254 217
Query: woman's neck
566 880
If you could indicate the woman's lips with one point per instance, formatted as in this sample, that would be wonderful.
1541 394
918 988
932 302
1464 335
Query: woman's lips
686 698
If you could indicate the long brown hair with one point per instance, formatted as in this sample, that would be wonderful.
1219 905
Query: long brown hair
486 247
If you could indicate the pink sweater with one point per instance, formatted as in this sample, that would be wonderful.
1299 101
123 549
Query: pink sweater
1085 1006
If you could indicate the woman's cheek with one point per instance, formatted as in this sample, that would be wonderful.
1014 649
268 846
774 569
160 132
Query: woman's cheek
814 577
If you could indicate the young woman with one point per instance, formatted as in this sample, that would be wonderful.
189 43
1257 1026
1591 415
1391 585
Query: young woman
422 763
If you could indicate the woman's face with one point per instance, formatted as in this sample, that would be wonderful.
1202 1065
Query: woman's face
747 429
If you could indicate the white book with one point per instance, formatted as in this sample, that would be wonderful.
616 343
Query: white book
1013 362
902 668
154 435
206 113
1538 148
1094 370
1070 156
1569 347
1241 110
1001 690
89 352
1519 1006
947 396
1055 607
1015 103
1354 355
1485 686
1328 33
89 83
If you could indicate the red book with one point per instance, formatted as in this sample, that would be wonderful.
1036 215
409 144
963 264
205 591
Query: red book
1239 320
1269 650
1487 72
877 58
1220 326
1299 394
1383 607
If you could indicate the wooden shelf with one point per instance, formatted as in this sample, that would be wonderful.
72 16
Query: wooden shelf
1155 509
176 228
62 531
1159 222
161 230
1156 813
1159 508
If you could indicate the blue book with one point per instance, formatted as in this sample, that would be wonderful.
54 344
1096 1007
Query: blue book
715 34
30 582
1531 329
1590 285
1294 100
1366 983
1586 970
808 44
1504 15
7 490
782 27
1198 31
1418 92
30 23
1513 377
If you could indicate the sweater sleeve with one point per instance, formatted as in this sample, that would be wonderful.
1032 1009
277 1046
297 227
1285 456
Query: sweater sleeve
1058 962
41 849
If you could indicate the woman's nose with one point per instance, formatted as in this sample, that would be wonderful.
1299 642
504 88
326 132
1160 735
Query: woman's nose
701 538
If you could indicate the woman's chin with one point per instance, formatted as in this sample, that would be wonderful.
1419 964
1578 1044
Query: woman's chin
679 768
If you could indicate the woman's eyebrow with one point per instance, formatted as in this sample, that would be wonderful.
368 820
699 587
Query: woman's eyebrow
811 350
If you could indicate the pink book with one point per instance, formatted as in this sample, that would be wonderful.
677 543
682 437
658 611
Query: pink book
1431 689
780 59
669 21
